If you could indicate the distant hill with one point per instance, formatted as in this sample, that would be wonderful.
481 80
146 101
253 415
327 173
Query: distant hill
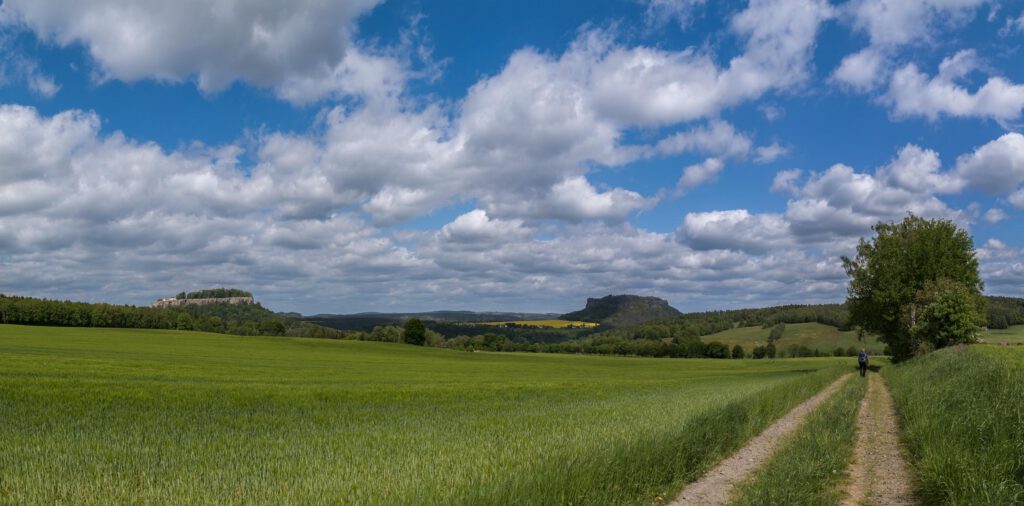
813 335
205 297
366 321
623 310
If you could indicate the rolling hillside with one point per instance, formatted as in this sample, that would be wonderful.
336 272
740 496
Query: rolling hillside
367 321
812 335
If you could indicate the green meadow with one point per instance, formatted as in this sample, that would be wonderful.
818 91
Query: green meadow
1011 335
100 416
812 335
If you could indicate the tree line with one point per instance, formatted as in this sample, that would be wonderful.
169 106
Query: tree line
214 293
418 333
237 319
1002 312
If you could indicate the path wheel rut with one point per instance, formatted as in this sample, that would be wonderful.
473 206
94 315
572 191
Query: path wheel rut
716 486
879 474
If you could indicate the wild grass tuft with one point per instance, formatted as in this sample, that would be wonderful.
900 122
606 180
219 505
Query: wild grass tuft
963 415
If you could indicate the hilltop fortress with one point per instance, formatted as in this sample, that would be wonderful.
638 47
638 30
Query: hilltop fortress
204 297
173 302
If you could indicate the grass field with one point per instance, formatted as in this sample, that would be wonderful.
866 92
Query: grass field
552 324
963 418
99 416
812 335
1012 335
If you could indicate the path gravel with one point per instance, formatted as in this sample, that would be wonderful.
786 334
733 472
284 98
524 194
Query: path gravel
879 473
716 486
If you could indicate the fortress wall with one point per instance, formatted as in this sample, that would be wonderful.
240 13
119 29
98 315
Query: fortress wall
202 302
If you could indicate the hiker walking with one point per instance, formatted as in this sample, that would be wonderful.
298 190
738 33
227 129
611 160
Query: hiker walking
862 361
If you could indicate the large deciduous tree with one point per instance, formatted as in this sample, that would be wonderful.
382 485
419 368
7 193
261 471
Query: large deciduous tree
916 285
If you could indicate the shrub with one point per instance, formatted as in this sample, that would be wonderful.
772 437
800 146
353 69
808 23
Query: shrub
716 349
737 352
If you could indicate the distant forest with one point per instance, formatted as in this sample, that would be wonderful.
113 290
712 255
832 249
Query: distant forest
214 293
678 336
238 319
1004 312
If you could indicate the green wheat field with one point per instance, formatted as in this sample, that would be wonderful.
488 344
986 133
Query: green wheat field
100 416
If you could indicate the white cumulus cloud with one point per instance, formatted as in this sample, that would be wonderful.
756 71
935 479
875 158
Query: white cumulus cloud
785 181
914 93
698 174
995 215
861 71
735 229
899 22
217 42
769 153
996 167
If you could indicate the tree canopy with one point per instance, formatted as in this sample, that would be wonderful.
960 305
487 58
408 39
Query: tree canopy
415 332
912 280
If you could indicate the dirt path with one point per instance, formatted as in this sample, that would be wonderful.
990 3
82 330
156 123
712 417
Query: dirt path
716 486
878 474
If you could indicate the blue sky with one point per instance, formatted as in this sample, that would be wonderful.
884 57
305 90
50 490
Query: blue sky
357 155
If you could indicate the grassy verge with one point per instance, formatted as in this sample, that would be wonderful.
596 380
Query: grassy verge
101 416
963 417
809 469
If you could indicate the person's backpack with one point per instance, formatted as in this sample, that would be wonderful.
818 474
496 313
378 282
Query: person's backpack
862 358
